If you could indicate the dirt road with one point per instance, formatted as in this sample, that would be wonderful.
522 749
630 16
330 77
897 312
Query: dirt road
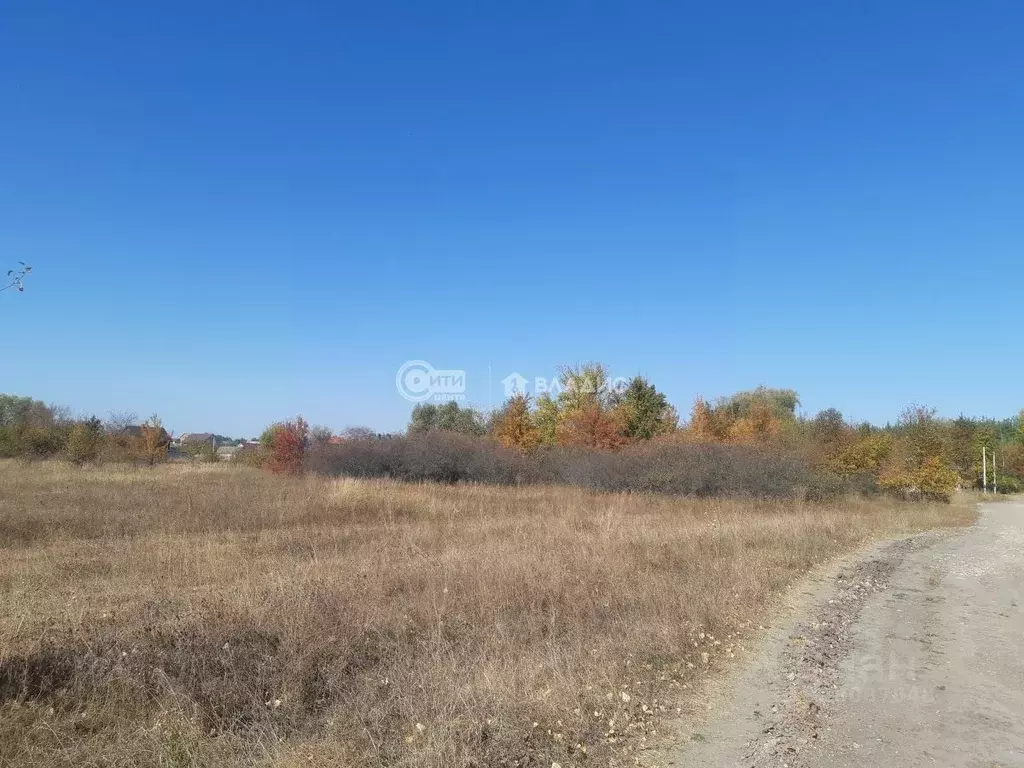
908 654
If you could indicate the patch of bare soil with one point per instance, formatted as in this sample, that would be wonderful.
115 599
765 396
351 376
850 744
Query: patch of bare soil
808 691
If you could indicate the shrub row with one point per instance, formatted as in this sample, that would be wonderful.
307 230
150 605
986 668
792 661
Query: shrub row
662 467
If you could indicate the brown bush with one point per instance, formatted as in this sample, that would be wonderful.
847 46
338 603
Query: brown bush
662 466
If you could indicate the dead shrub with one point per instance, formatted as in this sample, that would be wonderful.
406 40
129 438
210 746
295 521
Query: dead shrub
685 469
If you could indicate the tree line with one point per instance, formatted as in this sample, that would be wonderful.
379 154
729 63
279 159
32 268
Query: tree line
31 429
918 454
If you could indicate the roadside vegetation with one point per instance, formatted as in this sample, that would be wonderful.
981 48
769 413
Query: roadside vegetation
206 615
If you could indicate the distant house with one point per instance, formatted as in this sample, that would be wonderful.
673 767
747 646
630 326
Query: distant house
227 452
351 435
194 438
134 430
247 448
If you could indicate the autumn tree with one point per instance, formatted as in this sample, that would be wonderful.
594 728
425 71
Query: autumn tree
585 410
32 429
28 428
756 415
932 479
123 439
288 441
266 439
759 423
591 426
829 434
922 435
702 426
644 412
42 442
514 425
584 386
963 447
865 454
155 439
85 441
1011 460
545 418
780 403
919 462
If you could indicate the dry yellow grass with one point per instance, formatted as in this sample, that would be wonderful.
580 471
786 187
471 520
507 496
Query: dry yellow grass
206 616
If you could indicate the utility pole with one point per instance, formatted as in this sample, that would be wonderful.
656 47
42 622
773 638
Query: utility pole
984 469
995 481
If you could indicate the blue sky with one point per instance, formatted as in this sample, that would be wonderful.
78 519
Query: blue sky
238 212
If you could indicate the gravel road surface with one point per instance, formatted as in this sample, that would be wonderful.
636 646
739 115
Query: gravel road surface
910 653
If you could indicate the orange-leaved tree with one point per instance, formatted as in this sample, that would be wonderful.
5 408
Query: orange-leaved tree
591 427
287 442
758 424
155 440
703 427
514 426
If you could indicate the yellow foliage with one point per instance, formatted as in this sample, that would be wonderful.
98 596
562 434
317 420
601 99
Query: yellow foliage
545 417
702 422
932 480
516 428
865 455
756 422
154 440
759 424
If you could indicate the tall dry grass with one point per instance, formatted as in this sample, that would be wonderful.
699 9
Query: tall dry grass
206 616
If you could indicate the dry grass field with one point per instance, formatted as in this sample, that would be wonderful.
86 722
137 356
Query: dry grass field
208 616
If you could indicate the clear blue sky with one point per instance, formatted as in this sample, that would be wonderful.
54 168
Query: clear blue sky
241 211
